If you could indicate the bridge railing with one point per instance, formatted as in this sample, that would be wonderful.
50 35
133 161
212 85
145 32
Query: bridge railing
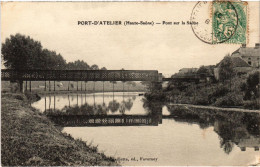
106 120
80 75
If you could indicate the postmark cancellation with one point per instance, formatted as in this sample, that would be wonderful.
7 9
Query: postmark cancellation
220 22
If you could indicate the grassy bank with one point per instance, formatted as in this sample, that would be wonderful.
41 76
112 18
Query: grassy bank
29 138
241 91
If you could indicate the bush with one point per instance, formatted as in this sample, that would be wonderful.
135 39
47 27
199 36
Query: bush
230 99
201 97
32 97
19 97
201 100
155 96
252 104
251 86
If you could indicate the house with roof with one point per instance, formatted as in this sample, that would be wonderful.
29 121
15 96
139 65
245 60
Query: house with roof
244 60
251 55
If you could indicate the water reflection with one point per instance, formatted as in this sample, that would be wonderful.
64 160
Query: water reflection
240 128
234 129
113 113
88 109
79 100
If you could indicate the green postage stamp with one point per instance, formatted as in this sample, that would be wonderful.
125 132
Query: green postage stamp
221 22
229 22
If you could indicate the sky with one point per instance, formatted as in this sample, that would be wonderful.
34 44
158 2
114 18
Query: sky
159 47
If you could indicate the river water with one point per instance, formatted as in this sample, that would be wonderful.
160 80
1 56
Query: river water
172 137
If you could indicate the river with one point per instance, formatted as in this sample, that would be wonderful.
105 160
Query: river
168 137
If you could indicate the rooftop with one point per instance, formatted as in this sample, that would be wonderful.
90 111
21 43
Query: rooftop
237 62
248 51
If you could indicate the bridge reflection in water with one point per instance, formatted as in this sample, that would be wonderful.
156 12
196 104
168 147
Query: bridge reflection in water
113 114
106 120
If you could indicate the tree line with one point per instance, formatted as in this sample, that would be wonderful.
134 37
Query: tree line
21 52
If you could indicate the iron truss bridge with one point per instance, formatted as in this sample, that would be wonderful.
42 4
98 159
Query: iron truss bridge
91 75
79 75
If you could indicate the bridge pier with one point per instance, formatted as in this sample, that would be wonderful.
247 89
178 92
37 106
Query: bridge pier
45 104
77 100
81 86
54 103
30 86
21 86
25 85
123 86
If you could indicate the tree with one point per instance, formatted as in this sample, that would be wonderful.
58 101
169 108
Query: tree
205 71
78 65
51 60
21 52
202 70
113 106
128 104
94 67
226 69
251 87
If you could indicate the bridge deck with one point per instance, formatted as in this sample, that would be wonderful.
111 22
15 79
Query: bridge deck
79 75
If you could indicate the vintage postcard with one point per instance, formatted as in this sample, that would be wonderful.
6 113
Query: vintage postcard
130 83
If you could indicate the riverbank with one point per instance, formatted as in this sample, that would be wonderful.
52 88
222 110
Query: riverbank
239 91
29 138
213 108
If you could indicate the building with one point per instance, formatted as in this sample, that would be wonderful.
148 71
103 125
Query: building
239 65
187 71
244 60
251 55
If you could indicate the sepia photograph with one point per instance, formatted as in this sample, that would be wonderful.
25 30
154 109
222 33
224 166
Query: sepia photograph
130 83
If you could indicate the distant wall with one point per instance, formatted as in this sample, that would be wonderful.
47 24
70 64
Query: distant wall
243 69
216 73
